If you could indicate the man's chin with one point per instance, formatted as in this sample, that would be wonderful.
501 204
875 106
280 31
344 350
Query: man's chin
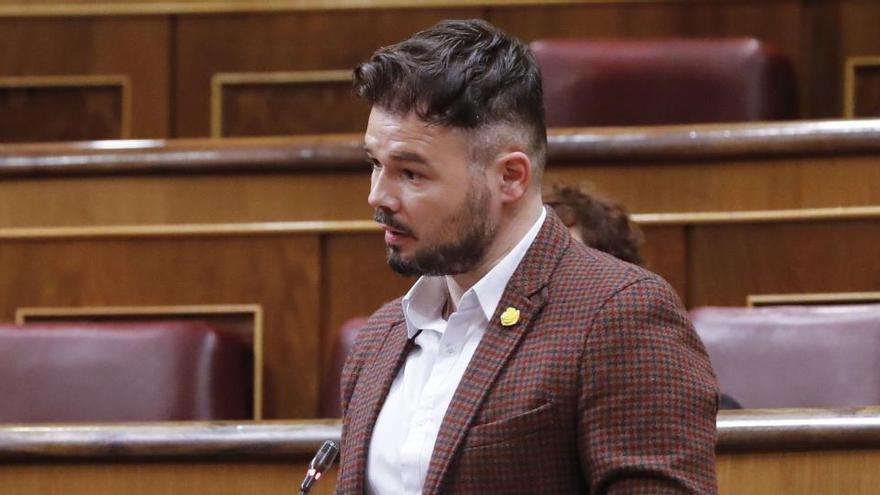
401 264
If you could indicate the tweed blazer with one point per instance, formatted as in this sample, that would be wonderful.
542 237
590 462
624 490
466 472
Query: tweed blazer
602 386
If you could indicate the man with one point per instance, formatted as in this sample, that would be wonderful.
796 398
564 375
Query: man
520 361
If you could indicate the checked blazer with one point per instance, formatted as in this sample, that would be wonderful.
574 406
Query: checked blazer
602 386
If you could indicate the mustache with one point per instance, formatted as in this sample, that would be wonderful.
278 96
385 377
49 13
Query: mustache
385 218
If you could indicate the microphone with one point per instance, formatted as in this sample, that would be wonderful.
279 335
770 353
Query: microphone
321 463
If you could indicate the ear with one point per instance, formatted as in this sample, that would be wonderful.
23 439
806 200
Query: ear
515 175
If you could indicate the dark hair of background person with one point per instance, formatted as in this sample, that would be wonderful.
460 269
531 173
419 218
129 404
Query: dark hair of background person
463 74
602 224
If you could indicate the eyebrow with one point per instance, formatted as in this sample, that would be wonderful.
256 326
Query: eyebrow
406 156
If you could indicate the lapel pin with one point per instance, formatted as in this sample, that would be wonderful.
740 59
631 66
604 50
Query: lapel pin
510 316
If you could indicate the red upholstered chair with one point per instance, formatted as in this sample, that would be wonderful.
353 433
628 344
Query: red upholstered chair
795 356
329 406
666 81
151 371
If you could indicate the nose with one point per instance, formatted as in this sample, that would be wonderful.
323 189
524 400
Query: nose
382 194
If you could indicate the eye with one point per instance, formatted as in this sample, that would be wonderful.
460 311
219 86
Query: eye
374 164
410 175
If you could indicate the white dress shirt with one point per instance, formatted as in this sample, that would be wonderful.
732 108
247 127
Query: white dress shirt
407 427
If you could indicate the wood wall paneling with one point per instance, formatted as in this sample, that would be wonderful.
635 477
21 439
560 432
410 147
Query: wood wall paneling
729 262
814 472
171 55
280 273
665 253
135 48
289 41
182 199
285 103
356 281
862 91
165 477
64 108
730 185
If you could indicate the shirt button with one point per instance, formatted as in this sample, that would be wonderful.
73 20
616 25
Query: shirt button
450 349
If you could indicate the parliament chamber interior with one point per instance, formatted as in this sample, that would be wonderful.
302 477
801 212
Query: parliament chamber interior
187 253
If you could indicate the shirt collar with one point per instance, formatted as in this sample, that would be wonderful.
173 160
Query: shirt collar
423 304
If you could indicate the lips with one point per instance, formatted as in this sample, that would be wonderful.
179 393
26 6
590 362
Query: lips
394 237
395 232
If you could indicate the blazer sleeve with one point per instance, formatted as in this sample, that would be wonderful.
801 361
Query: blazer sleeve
648 397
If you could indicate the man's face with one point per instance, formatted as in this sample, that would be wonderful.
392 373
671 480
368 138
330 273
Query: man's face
434 204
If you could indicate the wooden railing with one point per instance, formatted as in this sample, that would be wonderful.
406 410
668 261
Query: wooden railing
759 452
650 170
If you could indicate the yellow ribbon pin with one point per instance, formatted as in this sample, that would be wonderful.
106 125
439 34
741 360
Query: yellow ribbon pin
510 316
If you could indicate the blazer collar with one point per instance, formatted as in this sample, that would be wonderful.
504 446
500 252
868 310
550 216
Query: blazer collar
524 293
367 402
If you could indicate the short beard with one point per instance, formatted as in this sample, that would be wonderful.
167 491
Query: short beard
459 256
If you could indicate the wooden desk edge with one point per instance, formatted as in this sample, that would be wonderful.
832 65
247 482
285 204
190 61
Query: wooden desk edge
343 152
745 430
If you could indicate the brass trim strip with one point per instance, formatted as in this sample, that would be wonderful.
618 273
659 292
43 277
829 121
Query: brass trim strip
159 7
754 300
254 310
759 216
367 226
221 79
123 81
849 81
194 230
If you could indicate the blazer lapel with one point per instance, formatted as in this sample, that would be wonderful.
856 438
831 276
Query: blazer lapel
368 398
524 293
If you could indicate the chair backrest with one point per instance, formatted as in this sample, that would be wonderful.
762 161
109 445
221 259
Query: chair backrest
151 371
330 406
794 356
664 81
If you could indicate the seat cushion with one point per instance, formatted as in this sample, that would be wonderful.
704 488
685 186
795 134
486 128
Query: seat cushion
664 81
795 356
150 371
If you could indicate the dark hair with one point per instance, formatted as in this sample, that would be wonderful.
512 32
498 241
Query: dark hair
603 224
466 74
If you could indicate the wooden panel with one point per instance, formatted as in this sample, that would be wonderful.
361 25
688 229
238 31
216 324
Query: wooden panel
64 108
280 273
284 103
818 473
862 91
729 262
213 44
136 48
665 253
180 199
149 7
167 478
357 281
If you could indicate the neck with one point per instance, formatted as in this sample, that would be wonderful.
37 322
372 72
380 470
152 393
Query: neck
510 232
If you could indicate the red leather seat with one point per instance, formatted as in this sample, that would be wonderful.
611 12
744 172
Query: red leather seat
152 371
667 81
794 356
330 389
